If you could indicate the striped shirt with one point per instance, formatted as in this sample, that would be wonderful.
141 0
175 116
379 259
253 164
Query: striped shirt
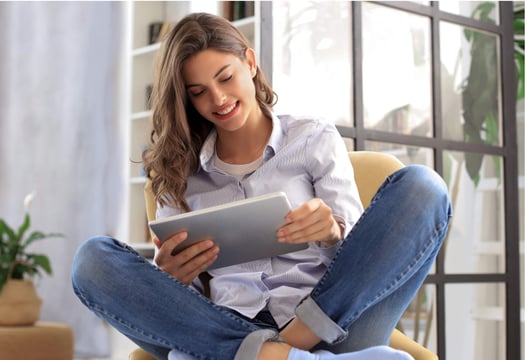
305 158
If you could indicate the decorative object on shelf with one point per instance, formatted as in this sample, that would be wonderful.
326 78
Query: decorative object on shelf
237 10
149 89
157 30
19 303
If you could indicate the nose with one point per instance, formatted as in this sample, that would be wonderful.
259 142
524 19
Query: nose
218 97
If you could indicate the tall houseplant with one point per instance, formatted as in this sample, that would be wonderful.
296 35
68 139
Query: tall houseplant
19 304
480 90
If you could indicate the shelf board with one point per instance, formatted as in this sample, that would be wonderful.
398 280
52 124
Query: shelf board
141 115
494 313
247 21
148 49
138 180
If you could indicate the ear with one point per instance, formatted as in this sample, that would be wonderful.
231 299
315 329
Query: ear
250 58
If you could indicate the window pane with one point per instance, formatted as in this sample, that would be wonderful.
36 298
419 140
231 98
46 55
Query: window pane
405 153
349 143
419 320
312 59
475 242
521 152
475 321
471 100
479 10
396 71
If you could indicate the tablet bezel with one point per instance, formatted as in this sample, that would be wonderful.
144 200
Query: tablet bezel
245 230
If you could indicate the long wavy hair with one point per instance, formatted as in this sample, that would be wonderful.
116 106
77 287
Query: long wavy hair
178 129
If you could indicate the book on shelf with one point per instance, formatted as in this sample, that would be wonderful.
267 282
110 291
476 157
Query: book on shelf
158 30
236 10
149 89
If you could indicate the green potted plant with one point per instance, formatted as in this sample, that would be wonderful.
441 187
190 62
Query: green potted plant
19 302
481 87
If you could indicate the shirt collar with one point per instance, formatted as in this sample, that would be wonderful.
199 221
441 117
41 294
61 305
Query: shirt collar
206 155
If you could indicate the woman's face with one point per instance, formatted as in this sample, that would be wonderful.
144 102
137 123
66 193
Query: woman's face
220 87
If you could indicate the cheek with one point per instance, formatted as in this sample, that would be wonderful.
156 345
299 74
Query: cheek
248 88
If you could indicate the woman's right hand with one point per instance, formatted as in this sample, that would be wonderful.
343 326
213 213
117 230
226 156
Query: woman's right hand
186 265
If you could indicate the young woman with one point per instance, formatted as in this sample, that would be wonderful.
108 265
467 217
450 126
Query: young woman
215 139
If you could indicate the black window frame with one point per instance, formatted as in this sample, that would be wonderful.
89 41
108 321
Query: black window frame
507 150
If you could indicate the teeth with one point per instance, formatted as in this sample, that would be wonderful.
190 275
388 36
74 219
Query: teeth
227 110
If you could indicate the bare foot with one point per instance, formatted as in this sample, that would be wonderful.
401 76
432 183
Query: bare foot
272 350
299 335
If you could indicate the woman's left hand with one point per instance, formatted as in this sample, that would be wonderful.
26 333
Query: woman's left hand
312 221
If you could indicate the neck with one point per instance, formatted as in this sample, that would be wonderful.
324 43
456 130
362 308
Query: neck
244 145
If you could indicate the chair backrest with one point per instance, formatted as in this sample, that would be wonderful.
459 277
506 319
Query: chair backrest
149 198
370 170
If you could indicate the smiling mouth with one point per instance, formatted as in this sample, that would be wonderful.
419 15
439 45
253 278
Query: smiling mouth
227 110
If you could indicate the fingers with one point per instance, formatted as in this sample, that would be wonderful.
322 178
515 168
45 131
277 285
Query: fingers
313 221
186 265
157 242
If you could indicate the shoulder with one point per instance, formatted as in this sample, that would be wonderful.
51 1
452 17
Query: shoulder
305 126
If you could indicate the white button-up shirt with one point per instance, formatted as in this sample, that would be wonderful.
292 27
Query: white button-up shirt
305 158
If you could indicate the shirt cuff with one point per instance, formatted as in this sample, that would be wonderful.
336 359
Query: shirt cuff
327 251
344 225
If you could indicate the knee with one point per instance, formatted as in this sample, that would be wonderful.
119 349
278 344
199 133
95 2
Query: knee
426 186
88 262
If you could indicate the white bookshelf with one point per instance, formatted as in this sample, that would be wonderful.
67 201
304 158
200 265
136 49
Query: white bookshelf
139 64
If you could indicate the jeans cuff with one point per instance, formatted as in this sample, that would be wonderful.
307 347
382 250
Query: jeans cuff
251 345
319 323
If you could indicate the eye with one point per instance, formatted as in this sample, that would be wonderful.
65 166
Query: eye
196 93
227 78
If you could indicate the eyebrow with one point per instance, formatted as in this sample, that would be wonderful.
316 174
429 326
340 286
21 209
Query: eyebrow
216 75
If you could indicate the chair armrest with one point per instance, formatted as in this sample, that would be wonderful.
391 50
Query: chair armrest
401 342
140 354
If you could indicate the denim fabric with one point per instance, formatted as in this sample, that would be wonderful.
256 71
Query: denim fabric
152 308
382 263
371 280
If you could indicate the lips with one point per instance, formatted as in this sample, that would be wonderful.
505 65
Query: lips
227 110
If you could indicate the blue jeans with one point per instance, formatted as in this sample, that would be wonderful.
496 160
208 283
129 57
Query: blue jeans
357 303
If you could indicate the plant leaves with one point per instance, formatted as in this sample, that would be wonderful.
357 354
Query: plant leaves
473 164
39 235
25 225
40 261
20 269
520 75
518 26
10 232
491 129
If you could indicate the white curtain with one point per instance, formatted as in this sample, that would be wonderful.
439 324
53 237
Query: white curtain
60 135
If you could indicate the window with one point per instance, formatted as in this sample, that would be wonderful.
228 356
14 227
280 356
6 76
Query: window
432 83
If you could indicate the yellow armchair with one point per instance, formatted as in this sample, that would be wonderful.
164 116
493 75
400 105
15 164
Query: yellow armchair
370 171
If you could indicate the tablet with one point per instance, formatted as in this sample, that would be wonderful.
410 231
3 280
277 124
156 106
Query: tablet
245 230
